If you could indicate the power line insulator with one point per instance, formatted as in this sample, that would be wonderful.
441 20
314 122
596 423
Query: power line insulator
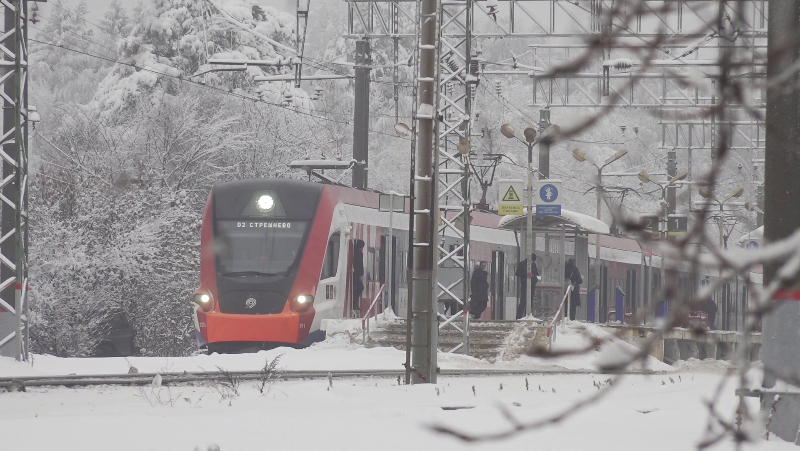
452 65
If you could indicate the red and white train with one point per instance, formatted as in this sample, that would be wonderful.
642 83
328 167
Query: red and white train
277 258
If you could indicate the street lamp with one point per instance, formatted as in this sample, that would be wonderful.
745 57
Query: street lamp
644 177
753 207
707 194
580 155
529 135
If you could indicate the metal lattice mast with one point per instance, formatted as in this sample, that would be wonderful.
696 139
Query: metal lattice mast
458 71
13 187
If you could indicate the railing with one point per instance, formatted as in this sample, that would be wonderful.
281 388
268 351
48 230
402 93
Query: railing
365 319
551 330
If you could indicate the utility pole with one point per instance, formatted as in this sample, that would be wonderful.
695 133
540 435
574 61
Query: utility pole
14 211
424 324
361 115
544 145
395 24
672 171
760 204
781 327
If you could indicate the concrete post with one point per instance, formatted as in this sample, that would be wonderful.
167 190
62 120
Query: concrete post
361 114
423 338
781 327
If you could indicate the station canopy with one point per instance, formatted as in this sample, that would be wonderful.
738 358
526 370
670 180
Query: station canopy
573 221
754 236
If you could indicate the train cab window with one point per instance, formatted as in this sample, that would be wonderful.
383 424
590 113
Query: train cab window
331 262
257 248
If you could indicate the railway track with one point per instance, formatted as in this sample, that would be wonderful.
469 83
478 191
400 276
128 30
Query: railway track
137 379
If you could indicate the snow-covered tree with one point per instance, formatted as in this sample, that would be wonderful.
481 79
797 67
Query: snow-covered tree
175 38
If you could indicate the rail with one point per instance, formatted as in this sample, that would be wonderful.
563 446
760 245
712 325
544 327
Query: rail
551 330
365 319
19 383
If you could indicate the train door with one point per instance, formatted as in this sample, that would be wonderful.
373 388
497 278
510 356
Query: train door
631 292
604 288
388 273
726 304
497 284
354 286
357 276
329 290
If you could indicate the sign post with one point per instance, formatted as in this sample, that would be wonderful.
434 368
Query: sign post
549 201
510 199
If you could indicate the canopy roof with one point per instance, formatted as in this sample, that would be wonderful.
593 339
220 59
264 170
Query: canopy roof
574 222
756 235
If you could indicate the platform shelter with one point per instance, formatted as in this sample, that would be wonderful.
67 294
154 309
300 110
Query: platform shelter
557 238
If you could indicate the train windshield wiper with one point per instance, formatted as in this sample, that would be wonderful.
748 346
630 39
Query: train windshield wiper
247 274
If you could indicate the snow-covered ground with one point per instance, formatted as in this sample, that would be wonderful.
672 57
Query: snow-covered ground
657 412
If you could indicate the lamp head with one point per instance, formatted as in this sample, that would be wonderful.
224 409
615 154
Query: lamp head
402 129
507 131
619 154
678 177
644 177
579 155
739 191
530 133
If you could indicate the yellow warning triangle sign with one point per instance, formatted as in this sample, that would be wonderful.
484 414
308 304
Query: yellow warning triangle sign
511 195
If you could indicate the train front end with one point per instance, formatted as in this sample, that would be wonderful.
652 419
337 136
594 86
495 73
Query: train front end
258 267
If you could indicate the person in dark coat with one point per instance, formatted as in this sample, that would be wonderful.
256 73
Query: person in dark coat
358 273
710 307
479 287
522 277
572 274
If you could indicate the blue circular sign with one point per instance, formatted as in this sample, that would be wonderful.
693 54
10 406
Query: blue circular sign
752 245
548 193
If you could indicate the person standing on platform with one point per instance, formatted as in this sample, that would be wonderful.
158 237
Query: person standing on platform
572 274
479 287
522 276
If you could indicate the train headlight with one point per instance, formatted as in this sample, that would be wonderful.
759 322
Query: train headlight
302 302
265 202
204 300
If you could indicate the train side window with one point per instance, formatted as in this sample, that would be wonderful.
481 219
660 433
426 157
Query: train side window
330 264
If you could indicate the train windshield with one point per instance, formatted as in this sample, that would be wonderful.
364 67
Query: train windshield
258 247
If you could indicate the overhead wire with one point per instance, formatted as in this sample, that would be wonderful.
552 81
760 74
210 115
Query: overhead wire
219 90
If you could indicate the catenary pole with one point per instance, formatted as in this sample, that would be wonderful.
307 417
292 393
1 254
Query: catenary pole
781 327
361 115
423 367
14 211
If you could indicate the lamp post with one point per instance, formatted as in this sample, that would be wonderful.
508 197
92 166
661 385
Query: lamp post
707 194
644 177
723 242
580 155
529 135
